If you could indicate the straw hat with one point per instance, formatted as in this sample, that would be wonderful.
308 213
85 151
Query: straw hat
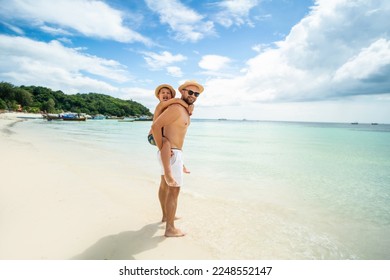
165 86
192 83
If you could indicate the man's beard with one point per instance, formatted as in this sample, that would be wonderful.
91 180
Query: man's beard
189 101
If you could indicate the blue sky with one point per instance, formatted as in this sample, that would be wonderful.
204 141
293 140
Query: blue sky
324 60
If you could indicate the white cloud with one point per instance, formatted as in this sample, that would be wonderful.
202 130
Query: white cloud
175 71
235 12
14 28
66 41
216 66
186 24
340 49
157 61
369 61
214 62
25 61
55 31
261 47
145 96
90 18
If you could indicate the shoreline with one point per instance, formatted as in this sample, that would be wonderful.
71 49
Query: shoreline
52 209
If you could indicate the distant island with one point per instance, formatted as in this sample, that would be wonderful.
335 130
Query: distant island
38 99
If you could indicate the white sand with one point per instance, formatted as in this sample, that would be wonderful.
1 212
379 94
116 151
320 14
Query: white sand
52 208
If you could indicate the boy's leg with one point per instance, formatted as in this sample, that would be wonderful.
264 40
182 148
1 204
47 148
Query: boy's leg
166 162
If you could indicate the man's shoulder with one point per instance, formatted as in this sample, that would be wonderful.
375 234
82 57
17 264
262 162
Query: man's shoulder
176 106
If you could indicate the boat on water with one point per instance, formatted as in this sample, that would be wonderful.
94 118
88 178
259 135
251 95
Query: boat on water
65 117
73 117
82 119
144 118
99 117
126 120
51 117
114 118
354 123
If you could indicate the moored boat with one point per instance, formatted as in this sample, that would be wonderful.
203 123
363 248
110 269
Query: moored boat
127 119
144 118
99 117
51 117
73 117
114 118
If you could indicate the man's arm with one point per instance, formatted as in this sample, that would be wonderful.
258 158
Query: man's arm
171 114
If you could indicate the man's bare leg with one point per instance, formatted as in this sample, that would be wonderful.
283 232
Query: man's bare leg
170 208
162 196
166 162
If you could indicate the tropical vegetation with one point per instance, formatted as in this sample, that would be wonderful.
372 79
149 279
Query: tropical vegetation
36 99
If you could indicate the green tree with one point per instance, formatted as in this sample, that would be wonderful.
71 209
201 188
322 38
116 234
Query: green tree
48 100
12 105
23 97
34 110
6 91
49 106
3 105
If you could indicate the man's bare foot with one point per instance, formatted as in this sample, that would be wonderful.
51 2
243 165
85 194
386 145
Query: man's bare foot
170 181
174 233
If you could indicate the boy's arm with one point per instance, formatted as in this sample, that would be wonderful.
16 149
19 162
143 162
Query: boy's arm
190 108
164 104
170 115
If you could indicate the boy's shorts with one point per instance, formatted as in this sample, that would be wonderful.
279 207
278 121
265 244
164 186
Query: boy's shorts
151 140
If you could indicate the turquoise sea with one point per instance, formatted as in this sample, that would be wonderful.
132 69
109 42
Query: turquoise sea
263 190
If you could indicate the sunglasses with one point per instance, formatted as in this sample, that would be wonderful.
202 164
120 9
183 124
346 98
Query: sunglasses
190 92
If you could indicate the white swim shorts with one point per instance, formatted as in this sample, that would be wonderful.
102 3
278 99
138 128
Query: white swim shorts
176 165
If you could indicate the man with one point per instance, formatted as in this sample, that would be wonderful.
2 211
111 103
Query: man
175 121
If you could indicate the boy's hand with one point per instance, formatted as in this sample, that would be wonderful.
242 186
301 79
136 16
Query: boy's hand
190 109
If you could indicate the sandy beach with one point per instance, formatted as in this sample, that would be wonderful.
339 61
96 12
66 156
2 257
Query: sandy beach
88 190
53 206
